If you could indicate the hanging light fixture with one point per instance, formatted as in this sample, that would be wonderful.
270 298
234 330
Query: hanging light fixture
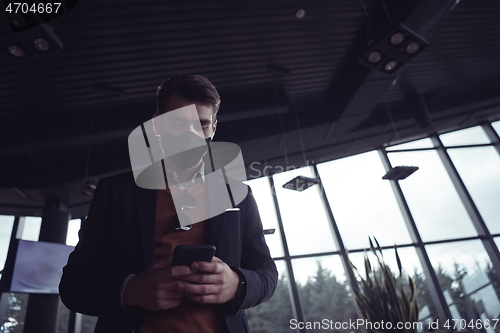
300 183
89 186
400 172
269 231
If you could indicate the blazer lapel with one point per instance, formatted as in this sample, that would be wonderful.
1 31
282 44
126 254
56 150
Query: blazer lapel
145 200
216 230
216 188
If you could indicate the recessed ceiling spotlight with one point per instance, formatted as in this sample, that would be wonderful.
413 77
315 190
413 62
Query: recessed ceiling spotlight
397 38
390 65
16 51
300 13
412 48
41 44
374 57
17 20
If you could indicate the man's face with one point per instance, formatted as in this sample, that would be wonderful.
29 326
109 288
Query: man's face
179 123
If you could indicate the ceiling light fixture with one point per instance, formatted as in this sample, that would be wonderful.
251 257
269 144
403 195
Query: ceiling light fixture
300 13
412 48
36 41
300 183
391 65
399 172
269 231
397 38
16 51
89 186
394 50
41 44
17 20
374 57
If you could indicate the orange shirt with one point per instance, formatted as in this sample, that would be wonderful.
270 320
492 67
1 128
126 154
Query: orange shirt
189 316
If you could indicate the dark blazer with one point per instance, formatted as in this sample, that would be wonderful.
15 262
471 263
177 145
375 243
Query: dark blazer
118 236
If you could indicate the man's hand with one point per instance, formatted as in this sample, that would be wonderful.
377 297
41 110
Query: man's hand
155 288
214 282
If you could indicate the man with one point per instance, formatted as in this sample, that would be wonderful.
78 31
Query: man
121 268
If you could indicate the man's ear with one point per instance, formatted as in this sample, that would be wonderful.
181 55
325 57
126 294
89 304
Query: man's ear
214 127
157 124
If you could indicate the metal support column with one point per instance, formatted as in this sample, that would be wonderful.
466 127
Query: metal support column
6 279
430 274
492 135
336 234
294 292
11 256
75 322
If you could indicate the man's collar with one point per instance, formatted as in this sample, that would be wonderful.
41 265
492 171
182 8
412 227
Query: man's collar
174 179
201 171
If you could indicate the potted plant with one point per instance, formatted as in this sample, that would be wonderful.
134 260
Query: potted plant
382 300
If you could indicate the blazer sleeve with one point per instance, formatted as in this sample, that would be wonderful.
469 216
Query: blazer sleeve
257 266
88 284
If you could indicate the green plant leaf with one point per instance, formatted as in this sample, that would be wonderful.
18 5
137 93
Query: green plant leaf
398 260
381 296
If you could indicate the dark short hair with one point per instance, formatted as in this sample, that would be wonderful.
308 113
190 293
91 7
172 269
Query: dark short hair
195 88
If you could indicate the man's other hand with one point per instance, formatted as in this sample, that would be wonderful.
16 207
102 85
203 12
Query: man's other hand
214 282
155 288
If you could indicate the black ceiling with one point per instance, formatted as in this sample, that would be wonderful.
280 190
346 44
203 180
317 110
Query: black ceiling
66 116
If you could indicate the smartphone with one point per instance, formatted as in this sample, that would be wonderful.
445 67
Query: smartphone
186 254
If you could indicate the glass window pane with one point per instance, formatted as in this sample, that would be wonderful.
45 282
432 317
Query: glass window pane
496 126
409 260
88 324
273 315
468 136
72 235
463 269
261 190
62 318
323 290
13 321
497 241
423 143
363 204
307 227
6 224
436 208
29 228
479 169
411 267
